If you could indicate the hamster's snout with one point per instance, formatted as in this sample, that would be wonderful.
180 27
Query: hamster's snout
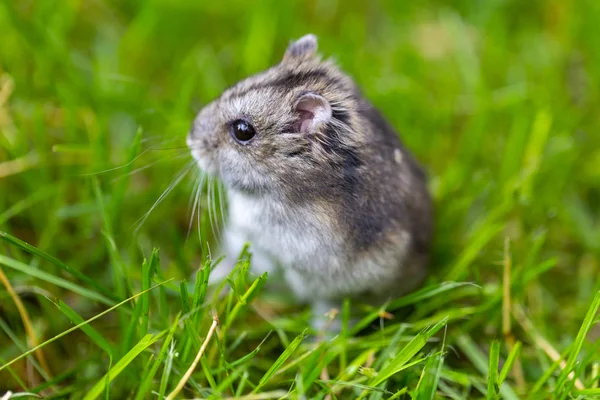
203 142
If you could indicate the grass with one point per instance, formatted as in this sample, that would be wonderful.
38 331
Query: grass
498 99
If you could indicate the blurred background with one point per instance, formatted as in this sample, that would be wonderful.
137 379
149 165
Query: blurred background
498 99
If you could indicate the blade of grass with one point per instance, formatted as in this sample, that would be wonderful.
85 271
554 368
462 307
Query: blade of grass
426 293
148 270
430 379
510 360
10 395
280 361
206 368
93 334
245 299
247 357
430 376
27 324
147 382
27 202
542 343
201 287
506 316
20 346
565 383
78 326
474 354
15 376
587 393
548 373
493 388
107 380
45 276
400 360
227 383
56 262
144 343
534 150
398 394
192 367
164 380
185 297
479 240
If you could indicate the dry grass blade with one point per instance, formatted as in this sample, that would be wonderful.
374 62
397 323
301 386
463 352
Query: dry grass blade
34 349
542 343
192 367
26 322
18 165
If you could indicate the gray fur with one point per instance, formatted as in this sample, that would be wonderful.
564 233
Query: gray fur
341 206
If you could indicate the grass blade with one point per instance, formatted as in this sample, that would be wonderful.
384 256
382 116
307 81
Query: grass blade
474 354
510 360
147 382
426 293
280 360
493 388
93 334
77 326
146 341
192 367
565 383
430 377
45 276
61 265
399 362
148 270
245 299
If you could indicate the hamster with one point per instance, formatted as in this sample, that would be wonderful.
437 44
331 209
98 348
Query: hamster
318 182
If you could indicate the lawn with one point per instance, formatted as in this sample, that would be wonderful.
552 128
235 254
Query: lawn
499 100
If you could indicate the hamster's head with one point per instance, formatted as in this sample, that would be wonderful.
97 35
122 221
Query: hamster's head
281 128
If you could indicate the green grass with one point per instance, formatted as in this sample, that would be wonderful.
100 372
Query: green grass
498 99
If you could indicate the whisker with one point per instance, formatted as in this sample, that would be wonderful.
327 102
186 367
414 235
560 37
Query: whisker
209 204
147 139
119 167
164 194
137 158
222 203
135 171
215 194
196 209
211 207
199 211
186 148
192 204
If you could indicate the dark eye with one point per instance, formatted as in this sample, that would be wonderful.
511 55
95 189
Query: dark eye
242 131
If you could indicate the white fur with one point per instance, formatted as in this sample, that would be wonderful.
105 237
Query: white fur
311 252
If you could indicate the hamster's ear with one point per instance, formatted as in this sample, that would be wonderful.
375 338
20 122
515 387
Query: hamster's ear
312 111
305 47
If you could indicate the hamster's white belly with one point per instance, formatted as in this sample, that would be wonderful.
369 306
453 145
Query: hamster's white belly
306 246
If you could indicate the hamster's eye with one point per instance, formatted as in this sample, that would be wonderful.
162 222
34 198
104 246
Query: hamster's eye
242 131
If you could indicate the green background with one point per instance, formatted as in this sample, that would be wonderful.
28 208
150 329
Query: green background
499 100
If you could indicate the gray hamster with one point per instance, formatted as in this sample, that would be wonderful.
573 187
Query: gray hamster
318 182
